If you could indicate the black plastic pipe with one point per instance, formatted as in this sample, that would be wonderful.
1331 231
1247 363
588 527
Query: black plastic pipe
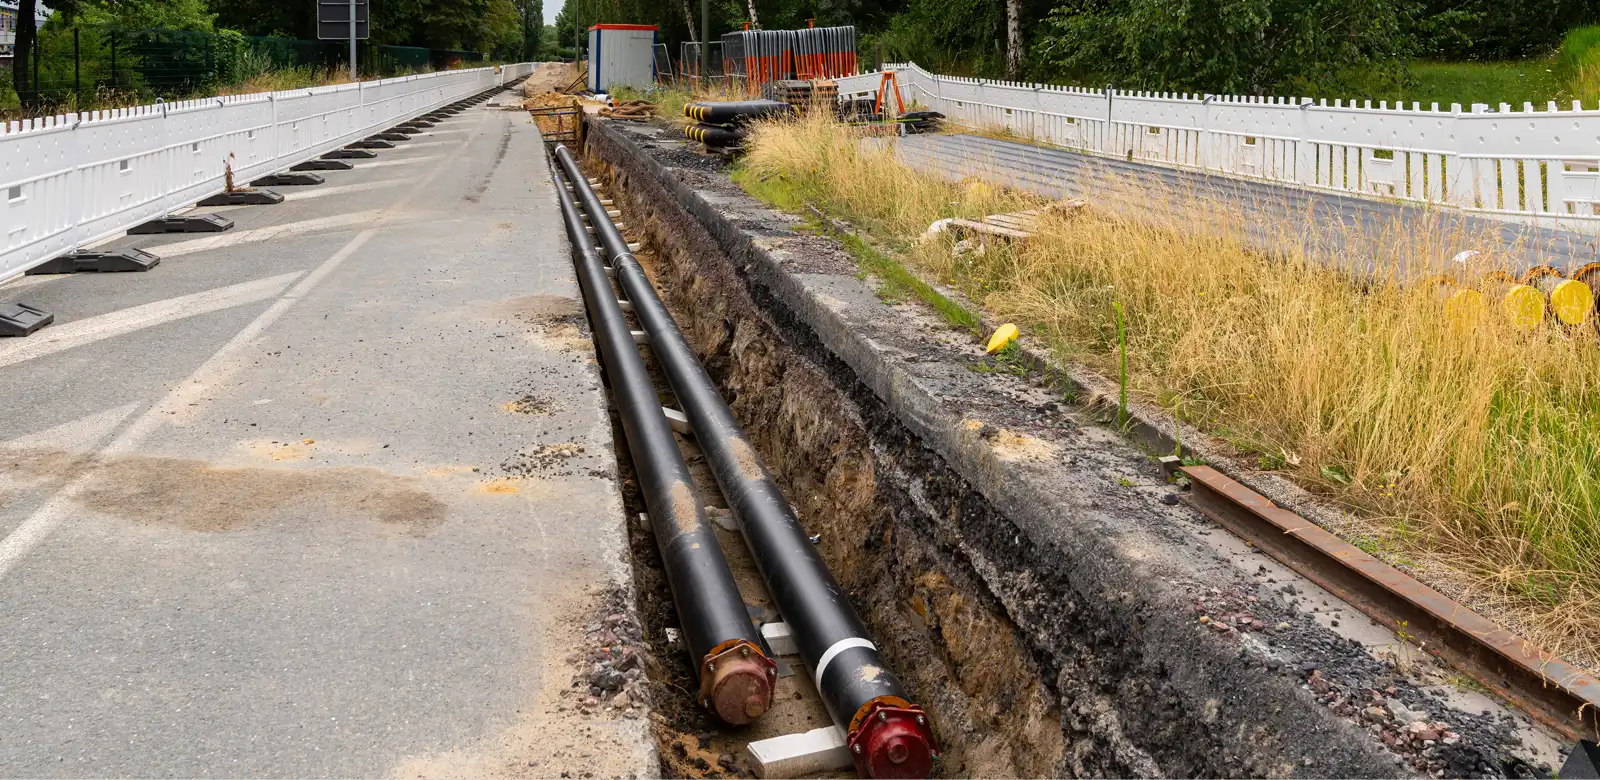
736 678
888 735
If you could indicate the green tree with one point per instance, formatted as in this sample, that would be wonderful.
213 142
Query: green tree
276 18
1223 46
1497 29
192 15
22 58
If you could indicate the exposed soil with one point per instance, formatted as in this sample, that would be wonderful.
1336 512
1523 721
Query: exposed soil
990 630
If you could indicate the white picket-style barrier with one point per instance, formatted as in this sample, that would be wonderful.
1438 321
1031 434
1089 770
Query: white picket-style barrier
1540 167
74 179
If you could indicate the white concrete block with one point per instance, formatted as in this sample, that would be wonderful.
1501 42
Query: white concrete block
799 755
779 638
677 420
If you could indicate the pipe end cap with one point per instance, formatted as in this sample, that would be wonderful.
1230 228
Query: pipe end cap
737 682
894 742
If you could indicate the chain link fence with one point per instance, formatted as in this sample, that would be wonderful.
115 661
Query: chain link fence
86 67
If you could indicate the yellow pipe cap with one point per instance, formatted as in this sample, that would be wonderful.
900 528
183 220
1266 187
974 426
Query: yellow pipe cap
1464 307
1524 307
1003 335
1572 301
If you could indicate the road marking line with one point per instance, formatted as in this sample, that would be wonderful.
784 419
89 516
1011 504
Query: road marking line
418 144
268 233
58 507
34 530
87 331
320 192
75 436
23 280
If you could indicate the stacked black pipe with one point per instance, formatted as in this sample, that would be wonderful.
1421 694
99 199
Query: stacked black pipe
722 124
736 678
888 736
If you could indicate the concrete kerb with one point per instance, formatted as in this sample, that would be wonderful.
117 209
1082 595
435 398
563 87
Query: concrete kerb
1218 686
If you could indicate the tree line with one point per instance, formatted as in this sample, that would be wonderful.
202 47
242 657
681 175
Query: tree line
1250 46
507 29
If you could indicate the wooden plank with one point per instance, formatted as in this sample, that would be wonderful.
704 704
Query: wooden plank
982 227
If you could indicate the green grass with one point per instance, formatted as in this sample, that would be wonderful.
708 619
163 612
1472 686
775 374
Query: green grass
1578 62
897 282
1515 83
1573 72
1007 360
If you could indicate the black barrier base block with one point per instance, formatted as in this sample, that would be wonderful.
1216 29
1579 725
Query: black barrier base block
103 262
389 135
405 130
188 223
1583 762
372 143
349 154
419 124
243 198
322 165
288 180
20 319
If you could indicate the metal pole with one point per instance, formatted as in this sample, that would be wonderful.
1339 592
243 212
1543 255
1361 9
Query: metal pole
114 58
705 42
736 678
77 69
353 40
888 736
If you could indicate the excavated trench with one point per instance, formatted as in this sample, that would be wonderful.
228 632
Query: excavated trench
1033 579
889 516
917 547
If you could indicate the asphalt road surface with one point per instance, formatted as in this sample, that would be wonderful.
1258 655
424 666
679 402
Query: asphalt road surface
328 494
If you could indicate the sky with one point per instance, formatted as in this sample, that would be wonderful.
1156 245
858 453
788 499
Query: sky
551 8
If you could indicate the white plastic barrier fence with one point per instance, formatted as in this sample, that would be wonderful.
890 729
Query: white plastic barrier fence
1540 167
73 179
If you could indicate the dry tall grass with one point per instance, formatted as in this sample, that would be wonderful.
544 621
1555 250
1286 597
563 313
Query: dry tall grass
1469 449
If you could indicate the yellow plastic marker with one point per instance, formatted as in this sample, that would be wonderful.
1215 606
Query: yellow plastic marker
1524 307
1464 307
1003 335
1572 301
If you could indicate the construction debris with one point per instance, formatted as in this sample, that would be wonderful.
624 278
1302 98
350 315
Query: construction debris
630 109
1015 225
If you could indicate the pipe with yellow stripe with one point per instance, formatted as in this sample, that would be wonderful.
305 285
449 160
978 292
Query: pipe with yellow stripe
712 135
1542 292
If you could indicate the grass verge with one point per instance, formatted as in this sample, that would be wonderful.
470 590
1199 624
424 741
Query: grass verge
673 98
1463 446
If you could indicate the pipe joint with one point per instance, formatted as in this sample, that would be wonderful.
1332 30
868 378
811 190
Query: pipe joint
891 741
736 682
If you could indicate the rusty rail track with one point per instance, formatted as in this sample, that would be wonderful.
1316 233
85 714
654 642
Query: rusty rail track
1552 691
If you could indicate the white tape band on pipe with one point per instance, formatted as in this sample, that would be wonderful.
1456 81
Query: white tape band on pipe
837 648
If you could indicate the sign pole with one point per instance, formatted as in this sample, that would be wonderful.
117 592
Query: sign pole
353 76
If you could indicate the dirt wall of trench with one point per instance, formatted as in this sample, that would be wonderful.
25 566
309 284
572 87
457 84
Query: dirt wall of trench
1033 659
